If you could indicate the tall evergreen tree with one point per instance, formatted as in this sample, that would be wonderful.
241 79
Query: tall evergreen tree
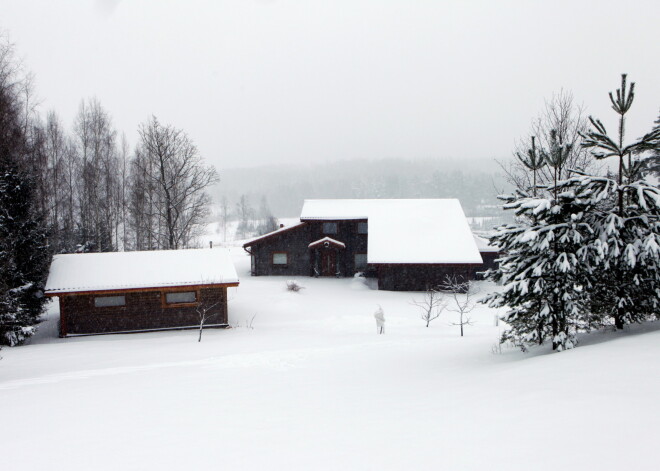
588 251
625 222
543 270
24 254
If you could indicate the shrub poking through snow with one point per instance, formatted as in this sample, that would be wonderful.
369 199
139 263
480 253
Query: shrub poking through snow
293 285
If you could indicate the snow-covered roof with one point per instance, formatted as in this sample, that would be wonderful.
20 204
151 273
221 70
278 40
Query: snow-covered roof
483 244
332 210
329 240
405 230
70 273
271 234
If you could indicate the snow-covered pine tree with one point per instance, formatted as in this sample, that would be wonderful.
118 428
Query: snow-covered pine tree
542 269
24 254
533 161
625 222
588 252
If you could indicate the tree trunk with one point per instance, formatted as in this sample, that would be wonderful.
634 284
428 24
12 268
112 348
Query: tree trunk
618 318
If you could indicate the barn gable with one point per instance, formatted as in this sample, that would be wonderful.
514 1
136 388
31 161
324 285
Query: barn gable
408 244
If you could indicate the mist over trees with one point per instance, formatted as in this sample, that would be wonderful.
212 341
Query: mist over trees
285 187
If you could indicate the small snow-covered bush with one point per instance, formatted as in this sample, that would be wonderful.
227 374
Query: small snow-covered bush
293 285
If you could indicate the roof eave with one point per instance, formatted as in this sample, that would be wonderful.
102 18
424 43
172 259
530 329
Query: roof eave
63 292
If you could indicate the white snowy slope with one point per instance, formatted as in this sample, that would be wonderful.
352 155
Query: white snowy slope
124 270
405 230
312 387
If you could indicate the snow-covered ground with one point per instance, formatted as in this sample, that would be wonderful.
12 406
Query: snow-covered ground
312 387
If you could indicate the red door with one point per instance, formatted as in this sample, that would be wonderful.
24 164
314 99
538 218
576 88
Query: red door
328 263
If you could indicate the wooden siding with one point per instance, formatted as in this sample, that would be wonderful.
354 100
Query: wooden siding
144 310
420 277
301 260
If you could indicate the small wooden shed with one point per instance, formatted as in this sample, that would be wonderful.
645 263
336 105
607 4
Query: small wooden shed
116 292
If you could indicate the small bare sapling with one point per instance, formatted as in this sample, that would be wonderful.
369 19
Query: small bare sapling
462 294
431 305
204 313
379 315
293 285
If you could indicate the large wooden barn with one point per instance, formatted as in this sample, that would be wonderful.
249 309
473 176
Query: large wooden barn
407 244
115 292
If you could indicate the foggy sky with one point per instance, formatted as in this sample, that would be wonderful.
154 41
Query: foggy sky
266 82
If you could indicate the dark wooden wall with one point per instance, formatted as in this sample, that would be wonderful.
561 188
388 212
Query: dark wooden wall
420 277
396 277
144 310
295 242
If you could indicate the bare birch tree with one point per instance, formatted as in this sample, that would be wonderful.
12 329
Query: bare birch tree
205 312
172 166
567 119
95 140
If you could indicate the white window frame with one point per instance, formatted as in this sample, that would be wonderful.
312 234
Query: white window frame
277 258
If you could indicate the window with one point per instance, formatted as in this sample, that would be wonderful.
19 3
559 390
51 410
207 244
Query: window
280 258
329 227
181 297
108 301
363 228
360 261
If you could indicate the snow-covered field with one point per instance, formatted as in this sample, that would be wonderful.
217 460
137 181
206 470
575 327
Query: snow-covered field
312 387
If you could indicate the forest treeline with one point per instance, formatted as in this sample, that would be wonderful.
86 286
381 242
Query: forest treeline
475 183
96 193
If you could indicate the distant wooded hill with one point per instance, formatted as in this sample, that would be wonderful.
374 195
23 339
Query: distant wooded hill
475 183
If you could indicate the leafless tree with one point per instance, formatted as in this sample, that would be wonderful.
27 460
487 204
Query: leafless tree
431 305
172 168
462 295
567 119
224 217
95 140
122 194
245 215
205 312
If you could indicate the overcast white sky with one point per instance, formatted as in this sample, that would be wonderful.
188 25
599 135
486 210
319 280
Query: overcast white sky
263 82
